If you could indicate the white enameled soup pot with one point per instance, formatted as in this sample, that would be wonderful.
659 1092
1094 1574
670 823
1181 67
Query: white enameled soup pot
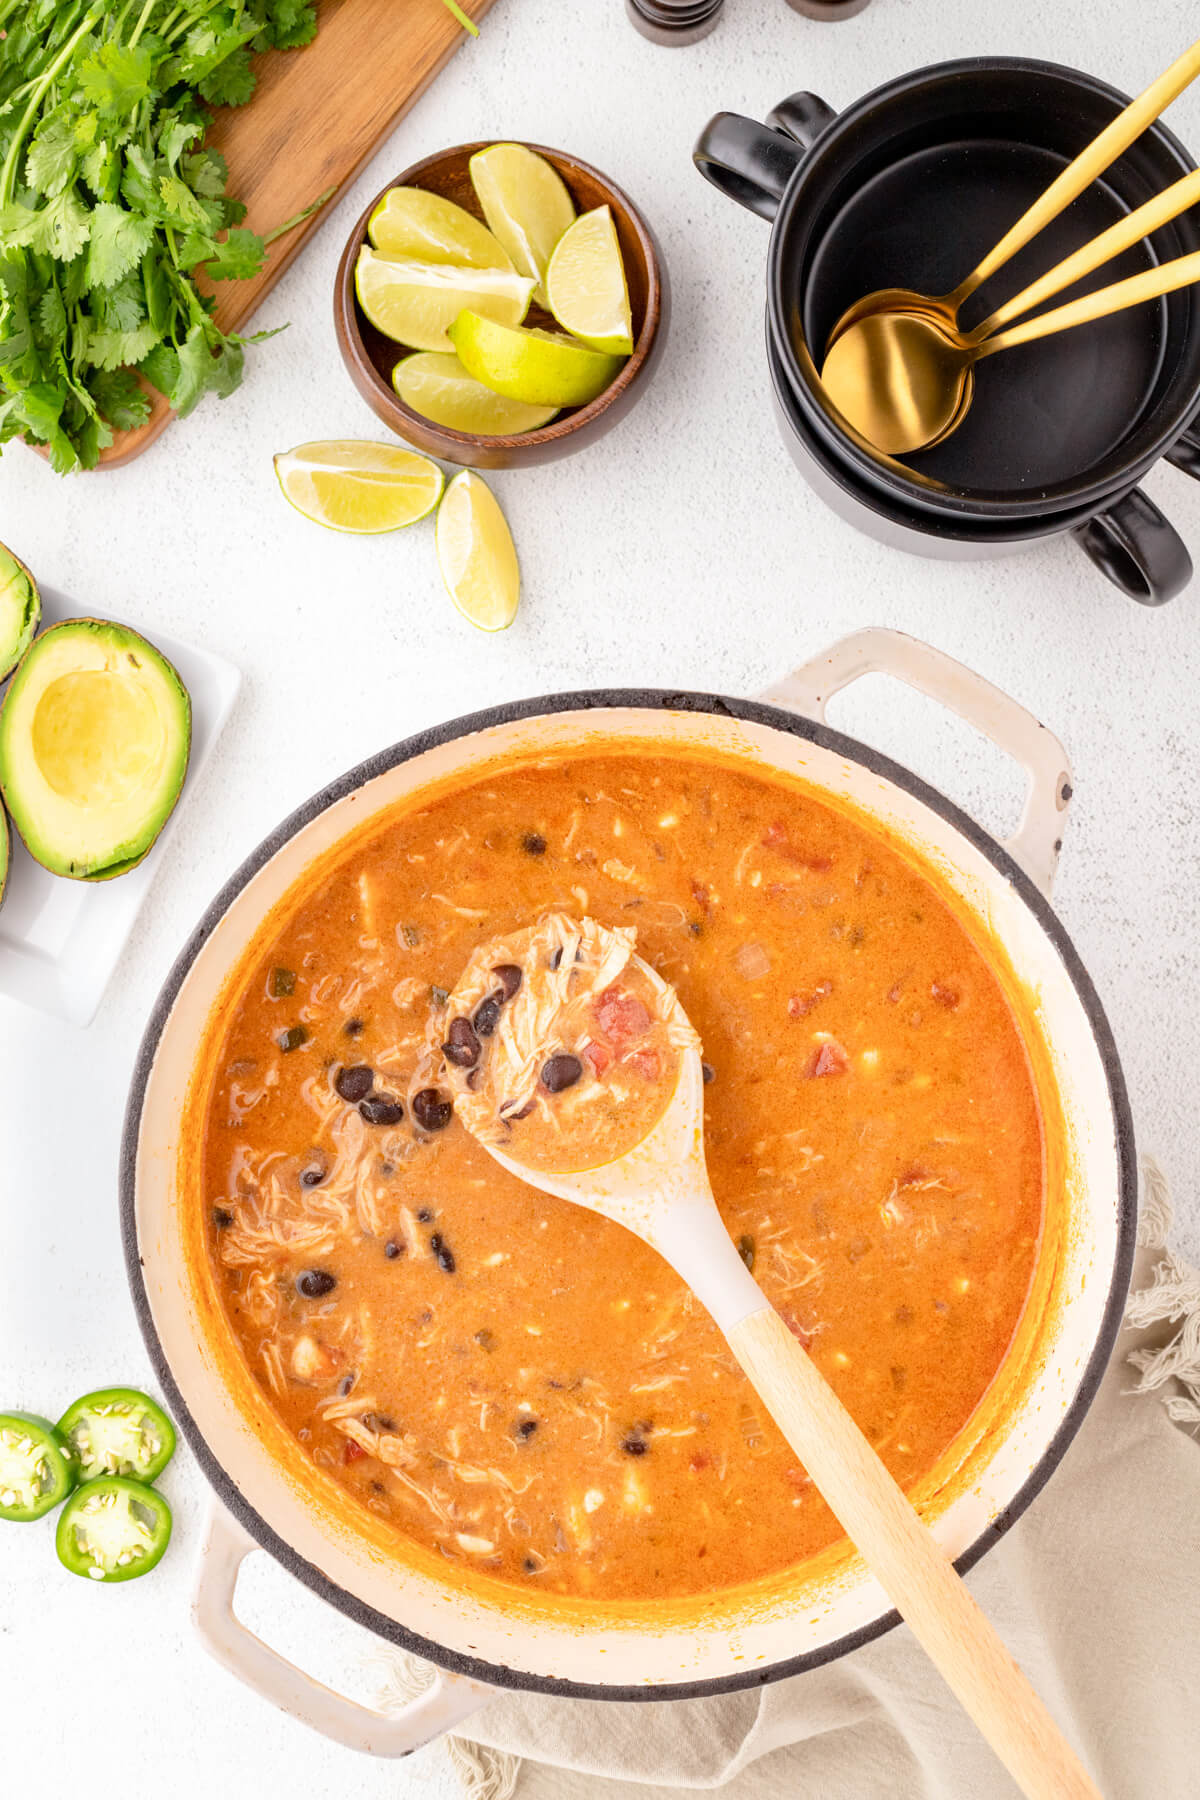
482 1641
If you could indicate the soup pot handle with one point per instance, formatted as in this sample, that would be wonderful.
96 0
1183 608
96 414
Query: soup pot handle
1185 451
1138 549
753 163
436 1710
1038 839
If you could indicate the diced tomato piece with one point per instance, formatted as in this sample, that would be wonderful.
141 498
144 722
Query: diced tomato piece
797 1329
798 1478
647 1063
800 1005
701 1460
945 995
830 1059
352 1452
777 839
621 1016
597 1056
702 897
914 1175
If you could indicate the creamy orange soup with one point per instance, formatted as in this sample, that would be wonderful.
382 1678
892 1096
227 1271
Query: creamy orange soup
514 1382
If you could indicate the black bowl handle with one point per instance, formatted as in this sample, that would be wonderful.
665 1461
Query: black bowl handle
1137 548
1185 452
753 163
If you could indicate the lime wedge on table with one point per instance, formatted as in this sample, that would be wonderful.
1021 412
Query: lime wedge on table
412 222
539 367
476 554
525 202
414 302
353 486
439 388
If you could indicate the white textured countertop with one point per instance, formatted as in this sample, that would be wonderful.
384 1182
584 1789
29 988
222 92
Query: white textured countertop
683 551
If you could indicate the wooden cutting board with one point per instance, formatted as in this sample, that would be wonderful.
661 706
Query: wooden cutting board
316 117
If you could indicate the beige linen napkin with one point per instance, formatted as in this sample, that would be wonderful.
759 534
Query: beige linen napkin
1096 1591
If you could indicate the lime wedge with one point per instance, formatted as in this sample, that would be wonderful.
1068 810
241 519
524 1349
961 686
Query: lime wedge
412 222
585 284
525 202
439 388
353 486
414 302
476 554
539 367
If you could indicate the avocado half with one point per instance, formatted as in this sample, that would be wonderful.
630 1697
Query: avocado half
20 610
95 732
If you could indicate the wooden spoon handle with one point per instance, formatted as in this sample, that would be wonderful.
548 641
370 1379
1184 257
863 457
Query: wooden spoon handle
1122 236
1100 153
918 1576
1149 285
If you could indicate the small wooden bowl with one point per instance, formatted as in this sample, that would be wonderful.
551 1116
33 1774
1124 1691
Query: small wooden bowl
370 357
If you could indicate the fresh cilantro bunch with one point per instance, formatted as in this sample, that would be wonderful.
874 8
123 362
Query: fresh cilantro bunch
109 203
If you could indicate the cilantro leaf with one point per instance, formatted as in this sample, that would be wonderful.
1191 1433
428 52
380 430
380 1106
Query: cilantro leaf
123 307
62 227
118 242
180 204
120 398
52 156
231 83
239 258
109 349
52 316
117 78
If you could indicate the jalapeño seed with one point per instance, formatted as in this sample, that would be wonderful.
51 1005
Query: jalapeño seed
392 1250
443 1252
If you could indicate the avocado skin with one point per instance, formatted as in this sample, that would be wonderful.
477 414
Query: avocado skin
62 858
14 649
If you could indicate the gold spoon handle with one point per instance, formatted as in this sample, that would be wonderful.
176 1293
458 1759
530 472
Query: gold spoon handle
1149 285
1100 153
1122 236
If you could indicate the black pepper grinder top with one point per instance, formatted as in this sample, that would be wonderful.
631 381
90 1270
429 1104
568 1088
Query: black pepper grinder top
676 22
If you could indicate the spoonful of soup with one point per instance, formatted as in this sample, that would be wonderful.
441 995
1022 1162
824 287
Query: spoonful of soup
574 1064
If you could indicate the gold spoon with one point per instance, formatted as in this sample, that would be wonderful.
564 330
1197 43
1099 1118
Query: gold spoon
1099 155
660 1191
900 379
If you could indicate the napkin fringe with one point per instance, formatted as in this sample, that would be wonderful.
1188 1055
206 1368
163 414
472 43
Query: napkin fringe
483 1773
1173 1295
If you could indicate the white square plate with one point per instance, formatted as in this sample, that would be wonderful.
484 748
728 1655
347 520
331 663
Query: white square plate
61 940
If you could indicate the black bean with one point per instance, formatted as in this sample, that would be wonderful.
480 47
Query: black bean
314 1172
474 1077
315 1283
378 1421
462 1046
282 983
487 1015
292 1038
353 1028
533 844
509 977
425 1216
431 1110
443 1252
522 1112
392 1249
634 1445
355 1083
381 1109
346 1383
562 1071
525 1428
222 1218
708 1072
532 1566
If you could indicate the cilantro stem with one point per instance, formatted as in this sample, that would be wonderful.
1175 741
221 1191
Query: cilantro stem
142 23
299 218
453 7
8 174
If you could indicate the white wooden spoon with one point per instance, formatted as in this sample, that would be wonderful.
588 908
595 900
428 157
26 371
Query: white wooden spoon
660 1191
